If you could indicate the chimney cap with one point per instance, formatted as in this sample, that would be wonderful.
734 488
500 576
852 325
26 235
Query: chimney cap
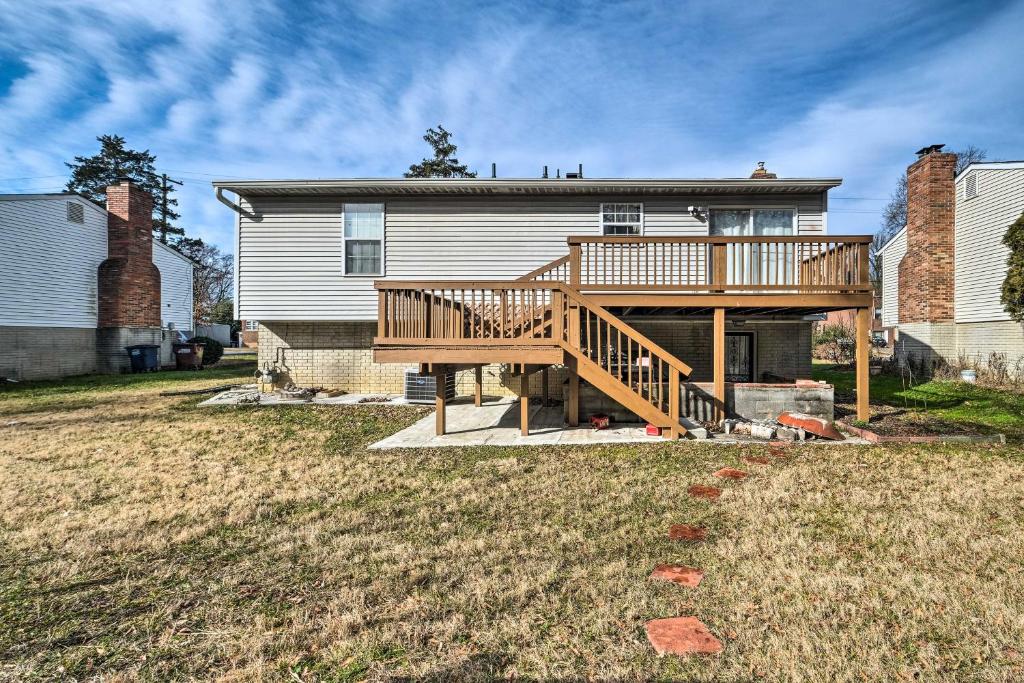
122 179
930 149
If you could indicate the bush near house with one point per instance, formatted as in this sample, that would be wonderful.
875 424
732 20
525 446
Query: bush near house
212 351
835 342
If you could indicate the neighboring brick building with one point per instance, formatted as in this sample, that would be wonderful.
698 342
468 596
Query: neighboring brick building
942 274
249 333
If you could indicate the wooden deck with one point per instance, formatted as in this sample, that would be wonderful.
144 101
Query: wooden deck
559 314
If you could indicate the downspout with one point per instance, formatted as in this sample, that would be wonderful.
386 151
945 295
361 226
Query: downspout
235 207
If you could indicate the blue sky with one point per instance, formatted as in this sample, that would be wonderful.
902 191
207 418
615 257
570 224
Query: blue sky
266 89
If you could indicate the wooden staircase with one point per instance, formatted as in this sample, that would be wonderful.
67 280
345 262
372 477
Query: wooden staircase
533 322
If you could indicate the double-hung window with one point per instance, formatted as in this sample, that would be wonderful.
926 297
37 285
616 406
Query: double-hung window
252 325
622 219
363 238
752 263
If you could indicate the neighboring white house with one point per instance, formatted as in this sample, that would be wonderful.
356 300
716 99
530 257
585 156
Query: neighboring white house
52 246
988 197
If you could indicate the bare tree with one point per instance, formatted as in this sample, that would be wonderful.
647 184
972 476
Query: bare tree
212 279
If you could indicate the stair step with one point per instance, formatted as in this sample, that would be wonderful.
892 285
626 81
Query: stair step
693 429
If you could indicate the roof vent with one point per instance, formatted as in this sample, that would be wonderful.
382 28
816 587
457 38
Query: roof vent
76 213
971 185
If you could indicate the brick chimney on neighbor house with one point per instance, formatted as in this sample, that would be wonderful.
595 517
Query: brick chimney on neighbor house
762 173
128 281
926 272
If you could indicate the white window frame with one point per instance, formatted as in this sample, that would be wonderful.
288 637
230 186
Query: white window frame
601 223
757 207
252 325
344 240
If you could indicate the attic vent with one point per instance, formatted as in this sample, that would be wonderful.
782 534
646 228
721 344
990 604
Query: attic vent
971 186
76 213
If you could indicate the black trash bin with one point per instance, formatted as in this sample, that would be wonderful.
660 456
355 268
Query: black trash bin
144 357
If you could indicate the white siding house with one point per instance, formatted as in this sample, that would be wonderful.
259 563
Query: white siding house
175 287
290 265
891 255
51 246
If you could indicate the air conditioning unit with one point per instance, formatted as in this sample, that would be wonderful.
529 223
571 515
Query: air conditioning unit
421 388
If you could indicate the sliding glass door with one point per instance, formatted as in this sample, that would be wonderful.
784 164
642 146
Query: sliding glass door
757 263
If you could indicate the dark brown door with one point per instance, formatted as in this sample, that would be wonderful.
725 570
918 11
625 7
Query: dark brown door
739 356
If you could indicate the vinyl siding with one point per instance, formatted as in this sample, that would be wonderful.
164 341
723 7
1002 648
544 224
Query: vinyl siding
894 252
290 257
175 287
980 256
50 264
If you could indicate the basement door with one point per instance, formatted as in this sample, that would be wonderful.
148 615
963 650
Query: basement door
739 356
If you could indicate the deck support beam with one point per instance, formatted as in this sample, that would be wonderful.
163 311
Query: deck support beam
524 403
719 364
439 404
478 385
572 405
863 360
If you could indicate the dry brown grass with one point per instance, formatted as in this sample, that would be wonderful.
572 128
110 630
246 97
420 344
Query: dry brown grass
143 537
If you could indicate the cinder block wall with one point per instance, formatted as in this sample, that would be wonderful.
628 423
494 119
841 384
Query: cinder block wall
29 353
780 348
338 355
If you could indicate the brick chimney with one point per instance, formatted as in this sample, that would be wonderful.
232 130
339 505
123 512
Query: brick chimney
128 281
926 272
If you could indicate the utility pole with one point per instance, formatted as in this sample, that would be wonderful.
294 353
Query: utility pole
164 189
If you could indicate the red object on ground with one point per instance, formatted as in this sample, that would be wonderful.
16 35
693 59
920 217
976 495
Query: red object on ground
677 573
653 430
600 421
682 636
685 532
730 473
815 425
709 492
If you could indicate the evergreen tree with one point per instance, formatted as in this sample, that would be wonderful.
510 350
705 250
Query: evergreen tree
444 164
90 177
1013 285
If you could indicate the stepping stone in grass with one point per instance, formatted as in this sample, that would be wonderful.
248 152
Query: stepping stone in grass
756 460
708 492
685 532
682 636
730 473
677 573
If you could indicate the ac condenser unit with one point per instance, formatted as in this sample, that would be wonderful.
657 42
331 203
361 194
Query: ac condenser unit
421 388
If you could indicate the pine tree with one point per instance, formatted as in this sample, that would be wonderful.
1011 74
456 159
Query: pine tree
444 164
90 177
1013 285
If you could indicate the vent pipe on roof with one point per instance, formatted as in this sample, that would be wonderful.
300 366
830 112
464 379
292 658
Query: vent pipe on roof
494 170
545 175
580 172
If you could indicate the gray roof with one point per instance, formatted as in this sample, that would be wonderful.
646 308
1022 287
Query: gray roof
524 186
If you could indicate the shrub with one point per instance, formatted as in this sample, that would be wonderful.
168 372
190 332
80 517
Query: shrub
213 351
835 342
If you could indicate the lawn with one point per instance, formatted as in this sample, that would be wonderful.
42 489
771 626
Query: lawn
143 537
943 403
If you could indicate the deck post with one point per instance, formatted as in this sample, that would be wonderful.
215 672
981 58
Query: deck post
719 364
439 404
863 355
572 405
673 402
574 264
478 386
524 402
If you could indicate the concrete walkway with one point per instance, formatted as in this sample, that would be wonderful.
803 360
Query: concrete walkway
496 423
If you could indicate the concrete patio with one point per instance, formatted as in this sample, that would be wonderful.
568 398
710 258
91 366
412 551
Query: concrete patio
496 423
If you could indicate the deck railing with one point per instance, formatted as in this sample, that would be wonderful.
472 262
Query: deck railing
793 264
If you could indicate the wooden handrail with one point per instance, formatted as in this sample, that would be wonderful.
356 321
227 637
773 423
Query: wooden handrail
625 328
719 239
544 270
